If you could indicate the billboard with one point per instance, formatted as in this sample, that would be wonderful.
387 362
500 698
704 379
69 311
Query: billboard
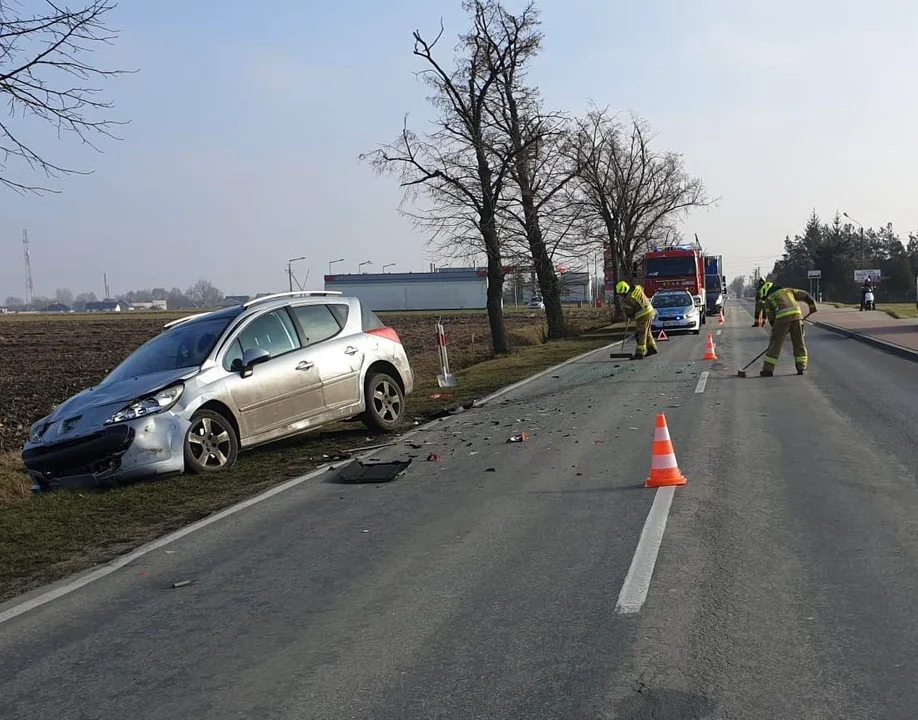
861 275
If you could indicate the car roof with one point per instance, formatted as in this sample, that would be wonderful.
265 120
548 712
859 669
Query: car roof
265 303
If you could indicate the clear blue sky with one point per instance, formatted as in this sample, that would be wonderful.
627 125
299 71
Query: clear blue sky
245 124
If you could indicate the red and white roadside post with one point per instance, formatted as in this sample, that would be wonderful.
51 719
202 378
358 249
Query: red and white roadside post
445 378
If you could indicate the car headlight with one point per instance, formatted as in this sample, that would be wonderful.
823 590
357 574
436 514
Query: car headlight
38 430
163 400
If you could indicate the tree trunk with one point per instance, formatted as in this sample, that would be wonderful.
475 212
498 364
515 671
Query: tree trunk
500 340
548 278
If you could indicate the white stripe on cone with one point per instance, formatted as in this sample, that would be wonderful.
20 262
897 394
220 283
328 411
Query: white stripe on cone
663 462
660 433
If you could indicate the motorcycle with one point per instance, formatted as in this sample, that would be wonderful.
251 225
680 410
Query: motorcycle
867 301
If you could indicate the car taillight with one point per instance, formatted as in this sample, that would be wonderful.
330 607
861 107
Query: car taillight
386 332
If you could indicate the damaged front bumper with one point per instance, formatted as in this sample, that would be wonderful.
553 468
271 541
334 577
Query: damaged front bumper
128 451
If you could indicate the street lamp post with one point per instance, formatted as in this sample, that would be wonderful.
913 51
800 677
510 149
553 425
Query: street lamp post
862 234
360 266
388 265
290 269
332 262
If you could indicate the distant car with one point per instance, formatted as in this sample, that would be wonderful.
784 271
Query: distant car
676 310
536 303
212 384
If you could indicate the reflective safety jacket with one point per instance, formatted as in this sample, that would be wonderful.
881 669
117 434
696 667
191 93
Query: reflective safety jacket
782 304
636 305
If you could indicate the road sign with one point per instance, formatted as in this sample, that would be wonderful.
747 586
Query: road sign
814 274
861 275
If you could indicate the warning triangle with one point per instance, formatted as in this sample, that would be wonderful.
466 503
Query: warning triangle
662 336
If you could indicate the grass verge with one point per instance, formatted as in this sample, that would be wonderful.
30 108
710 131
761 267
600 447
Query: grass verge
47 537
900 311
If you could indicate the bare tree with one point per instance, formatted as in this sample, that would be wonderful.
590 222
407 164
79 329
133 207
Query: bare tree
42 74
634 194
461 167
204 294
540 171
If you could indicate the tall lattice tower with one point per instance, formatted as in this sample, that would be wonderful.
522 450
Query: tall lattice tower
29 287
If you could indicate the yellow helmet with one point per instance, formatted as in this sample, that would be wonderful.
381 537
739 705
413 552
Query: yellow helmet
763 291
622 288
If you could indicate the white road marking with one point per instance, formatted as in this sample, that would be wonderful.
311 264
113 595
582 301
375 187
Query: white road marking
81 580
702 381
719 332
637 581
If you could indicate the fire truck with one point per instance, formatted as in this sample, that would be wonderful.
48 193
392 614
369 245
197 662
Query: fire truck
676 267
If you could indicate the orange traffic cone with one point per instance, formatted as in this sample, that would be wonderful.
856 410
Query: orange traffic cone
720 320
709 349
664 470
662 335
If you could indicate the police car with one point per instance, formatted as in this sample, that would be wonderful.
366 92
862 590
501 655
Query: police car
676 310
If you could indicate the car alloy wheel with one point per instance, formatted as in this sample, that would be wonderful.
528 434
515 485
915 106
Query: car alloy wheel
210 444
385 402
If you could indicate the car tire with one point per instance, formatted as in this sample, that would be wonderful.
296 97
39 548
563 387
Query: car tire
385 403
210 444
697 331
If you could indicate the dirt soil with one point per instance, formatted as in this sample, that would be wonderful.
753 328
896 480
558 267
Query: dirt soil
48 359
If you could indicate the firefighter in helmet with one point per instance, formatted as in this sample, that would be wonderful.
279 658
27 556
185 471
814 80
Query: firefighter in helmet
758 319
638 307
785 316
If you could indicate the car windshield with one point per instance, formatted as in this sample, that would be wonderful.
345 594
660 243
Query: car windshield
671 267
712 282
672 300
183 346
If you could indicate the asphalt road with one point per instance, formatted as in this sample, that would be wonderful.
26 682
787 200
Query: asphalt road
485 586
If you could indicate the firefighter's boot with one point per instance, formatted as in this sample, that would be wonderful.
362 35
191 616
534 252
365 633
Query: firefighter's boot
652 350
767 373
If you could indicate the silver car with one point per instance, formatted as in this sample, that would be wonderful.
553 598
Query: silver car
214 383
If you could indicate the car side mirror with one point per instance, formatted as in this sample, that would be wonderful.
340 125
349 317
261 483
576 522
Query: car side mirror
252 357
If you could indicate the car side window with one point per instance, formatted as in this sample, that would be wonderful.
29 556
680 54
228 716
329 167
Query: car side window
318 323
273 331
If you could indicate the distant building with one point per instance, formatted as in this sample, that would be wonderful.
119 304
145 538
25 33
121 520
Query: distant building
151 305
55 308
108 306
445 289
231 300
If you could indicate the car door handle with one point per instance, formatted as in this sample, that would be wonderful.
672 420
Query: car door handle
305 365
351 350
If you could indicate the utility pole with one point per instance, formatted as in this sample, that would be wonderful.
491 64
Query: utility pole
29 287
290 270
105 291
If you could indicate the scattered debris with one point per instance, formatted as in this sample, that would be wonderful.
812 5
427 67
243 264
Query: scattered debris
337 456
440 396
599 442
364 531
518 437
434 457
371 472
491 470
181 583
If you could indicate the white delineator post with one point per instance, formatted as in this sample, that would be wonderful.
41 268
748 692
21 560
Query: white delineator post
445 378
